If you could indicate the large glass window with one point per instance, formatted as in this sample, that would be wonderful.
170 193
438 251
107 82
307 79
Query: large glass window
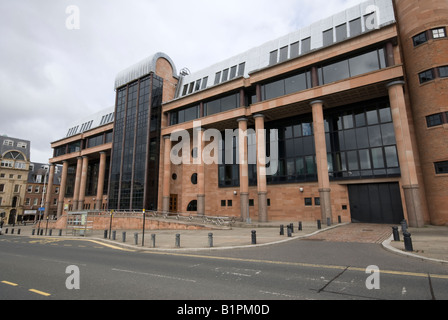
351 67
296 151
361 142
222 104
288 85
184 115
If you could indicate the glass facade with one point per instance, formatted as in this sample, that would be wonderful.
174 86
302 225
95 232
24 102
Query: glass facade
287 85
351 67
134 168
360 141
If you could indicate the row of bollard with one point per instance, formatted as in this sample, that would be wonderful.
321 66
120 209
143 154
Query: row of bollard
177 238
406 235
40 232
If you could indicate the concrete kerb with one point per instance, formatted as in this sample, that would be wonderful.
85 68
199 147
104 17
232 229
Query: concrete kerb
142 248
387 245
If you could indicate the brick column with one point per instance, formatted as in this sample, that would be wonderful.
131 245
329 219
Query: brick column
201 172
83 184
244 168
62 188
77 183
261 168
408 168
166 174
321 160
49 188
100 185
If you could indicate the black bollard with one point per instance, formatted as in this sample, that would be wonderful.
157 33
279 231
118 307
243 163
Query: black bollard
319 225
114 235
396 233
282 230
41 232
408 242
124 237
289 230
254 237
291 226
177 240
210 240
51 232
300 226
328 222
153 240
33 232
105 234
339 219
60 232
136 238
12 231
18 231
404 226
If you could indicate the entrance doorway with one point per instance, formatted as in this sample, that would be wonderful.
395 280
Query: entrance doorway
376 203
173 203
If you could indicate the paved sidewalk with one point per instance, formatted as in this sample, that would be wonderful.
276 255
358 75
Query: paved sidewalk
429 242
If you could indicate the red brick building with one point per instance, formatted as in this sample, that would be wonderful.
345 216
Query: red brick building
352 109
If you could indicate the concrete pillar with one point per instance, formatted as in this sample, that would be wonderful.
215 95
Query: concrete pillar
62 188
100 185
49 188
244 168
261 168
411 188
166 174
77 183
321 160
83 184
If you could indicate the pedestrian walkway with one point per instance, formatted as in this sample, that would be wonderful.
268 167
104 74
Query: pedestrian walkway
429 242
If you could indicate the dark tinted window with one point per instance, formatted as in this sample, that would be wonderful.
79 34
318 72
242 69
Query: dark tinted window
341 32
306 45
441 167
328 37
420 38
355 27
426 76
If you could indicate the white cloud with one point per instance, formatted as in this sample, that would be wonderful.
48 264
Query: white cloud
51 76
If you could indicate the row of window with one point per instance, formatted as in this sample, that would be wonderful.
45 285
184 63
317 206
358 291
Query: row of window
20 144
89 143
220 77
339 33
327 73
437 119
11 176
425 36
434 73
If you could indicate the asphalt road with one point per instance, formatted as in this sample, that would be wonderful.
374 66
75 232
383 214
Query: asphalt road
38 268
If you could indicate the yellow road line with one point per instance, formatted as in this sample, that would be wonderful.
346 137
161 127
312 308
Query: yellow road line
10 283
110 246
40 292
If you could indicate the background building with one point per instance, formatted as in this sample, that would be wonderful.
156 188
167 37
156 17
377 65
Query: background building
14 165
37 189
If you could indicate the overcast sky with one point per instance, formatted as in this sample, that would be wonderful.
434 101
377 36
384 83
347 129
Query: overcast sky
51 76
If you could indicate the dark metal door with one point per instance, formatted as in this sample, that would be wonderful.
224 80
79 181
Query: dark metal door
376 203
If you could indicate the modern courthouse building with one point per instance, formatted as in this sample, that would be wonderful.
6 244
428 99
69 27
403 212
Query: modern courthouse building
354 106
